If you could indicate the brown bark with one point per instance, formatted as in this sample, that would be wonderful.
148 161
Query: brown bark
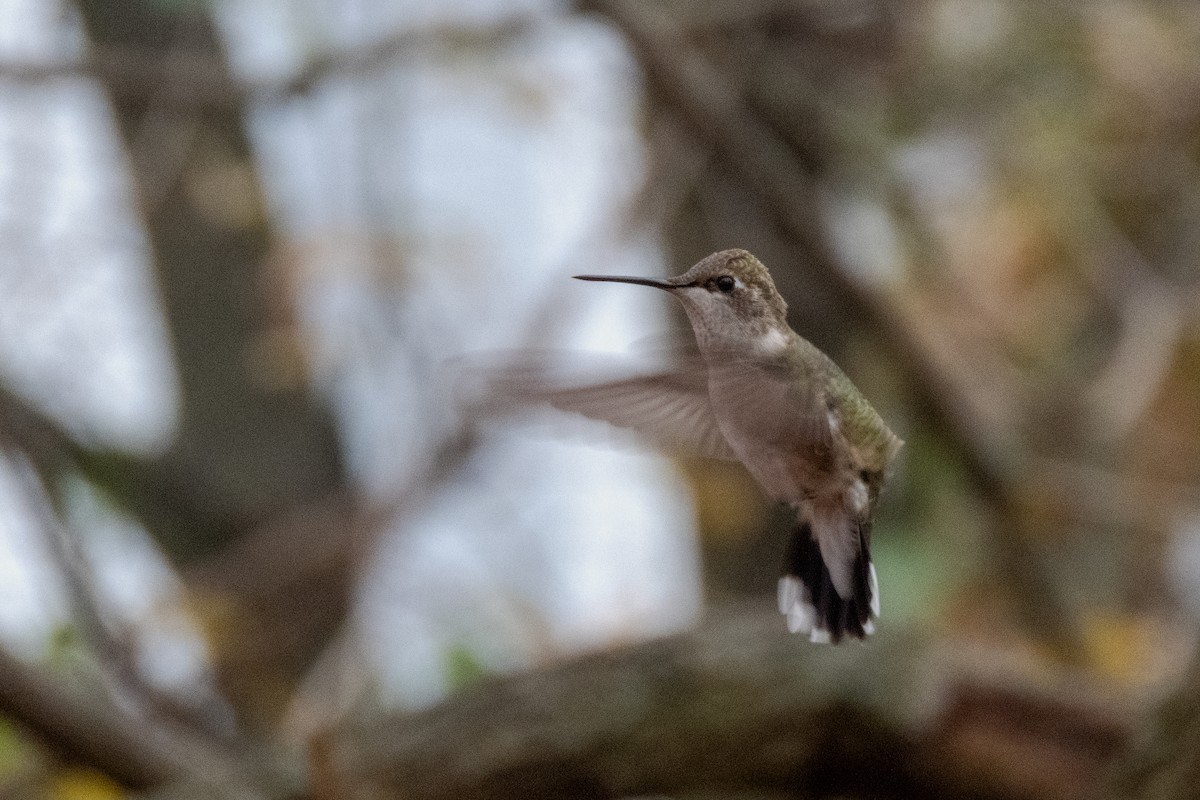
253 444
741 706
83 731
738 706
86 729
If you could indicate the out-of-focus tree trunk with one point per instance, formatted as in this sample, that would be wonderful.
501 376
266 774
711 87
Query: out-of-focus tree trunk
253 444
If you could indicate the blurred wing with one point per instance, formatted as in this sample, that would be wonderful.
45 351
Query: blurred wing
670 408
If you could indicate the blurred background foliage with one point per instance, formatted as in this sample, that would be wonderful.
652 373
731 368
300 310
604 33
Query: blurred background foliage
259 540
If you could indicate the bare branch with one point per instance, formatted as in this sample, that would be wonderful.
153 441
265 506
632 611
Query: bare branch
84 730
738 705
114 652
46 442
1153 329
172 742
191 81
89 731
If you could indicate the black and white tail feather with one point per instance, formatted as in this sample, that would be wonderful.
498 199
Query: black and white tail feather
810 599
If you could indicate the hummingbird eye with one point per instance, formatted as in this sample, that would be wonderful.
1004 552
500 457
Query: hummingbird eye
726 284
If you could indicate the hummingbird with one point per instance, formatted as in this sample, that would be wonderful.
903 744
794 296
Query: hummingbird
759 393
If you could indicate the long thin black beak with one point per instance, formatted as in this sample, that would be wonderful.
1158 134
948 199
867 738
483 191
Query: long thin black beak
655 282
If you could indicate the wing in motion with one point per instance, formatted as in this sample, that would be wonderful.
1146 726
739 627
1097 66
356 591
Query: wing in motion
669 408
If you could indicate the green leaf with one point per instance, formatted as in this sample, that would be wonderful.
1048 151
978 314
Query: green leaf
462 667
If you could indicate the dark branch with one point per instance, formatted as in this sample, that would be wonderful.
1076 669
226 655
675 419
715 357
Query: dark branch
738 705
192 81
114 652
83 730
87 730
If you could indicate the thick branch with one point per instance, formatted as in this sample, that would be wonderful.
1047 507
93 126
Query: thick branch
83 730
89 731
737 705
46 443
742 706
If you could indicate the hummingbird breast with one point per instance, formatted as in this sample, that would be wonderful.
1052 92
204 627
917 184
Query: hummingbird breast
781 431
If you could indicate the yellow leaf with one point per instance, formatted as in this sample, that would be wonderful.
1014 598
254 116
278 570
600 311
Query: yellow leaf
1120 646
83 784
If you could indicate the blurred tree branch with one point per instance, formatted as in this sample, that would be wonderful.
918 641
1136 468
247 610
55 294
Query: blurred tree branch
740 705
192 80
87 730
170 741
114 650
41 438
82 729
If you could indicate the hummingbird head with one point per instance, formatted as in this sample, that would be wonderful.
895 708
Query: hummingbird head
729 298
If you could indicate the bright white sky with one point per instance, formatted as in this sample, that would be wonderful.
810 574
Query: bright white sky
499 177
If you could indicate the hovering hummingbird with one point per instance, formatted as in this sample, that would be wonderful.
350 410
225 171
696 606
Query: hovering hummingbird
762 395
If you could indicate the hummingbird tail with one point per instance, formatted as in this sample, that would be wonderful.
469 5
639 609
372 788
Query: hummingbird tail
809 599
